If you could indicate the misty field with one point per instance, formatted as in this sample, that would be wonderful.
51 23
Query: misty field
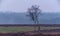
24 28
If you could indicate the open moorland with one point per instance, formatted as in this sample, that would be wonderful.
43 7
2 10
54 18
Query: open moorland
28 30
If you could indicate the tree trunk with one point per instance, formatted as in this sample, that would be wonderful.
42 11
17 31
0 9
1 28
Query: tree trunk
35 25
38 26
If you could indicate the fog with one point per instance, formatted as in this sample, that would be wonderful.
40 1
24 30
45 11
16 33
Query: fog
23 5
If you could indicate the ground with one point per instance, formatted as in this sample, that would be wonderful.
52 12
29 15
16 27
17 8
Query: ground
24 28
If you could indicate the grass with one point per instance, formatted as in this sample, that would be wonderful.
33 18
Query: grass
49 28
16 29
24 28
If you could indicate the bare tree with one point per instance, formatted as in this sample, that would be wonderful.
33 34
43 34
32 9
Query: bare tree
34 11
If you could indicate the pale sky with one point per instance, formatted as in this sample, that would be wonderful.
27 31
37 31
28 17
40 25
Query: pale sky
23 5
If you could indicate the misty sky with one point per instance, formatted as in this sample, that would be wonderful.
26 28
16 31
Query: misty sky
23 5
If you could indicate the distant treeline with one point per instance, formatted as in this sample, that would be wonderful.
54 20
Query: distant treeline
45 25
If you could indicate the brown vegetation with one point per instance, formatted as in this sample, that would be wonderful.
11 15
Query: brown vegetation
29 34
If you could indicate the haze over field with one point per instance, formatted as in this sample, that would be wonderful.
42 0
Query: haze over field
21 18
